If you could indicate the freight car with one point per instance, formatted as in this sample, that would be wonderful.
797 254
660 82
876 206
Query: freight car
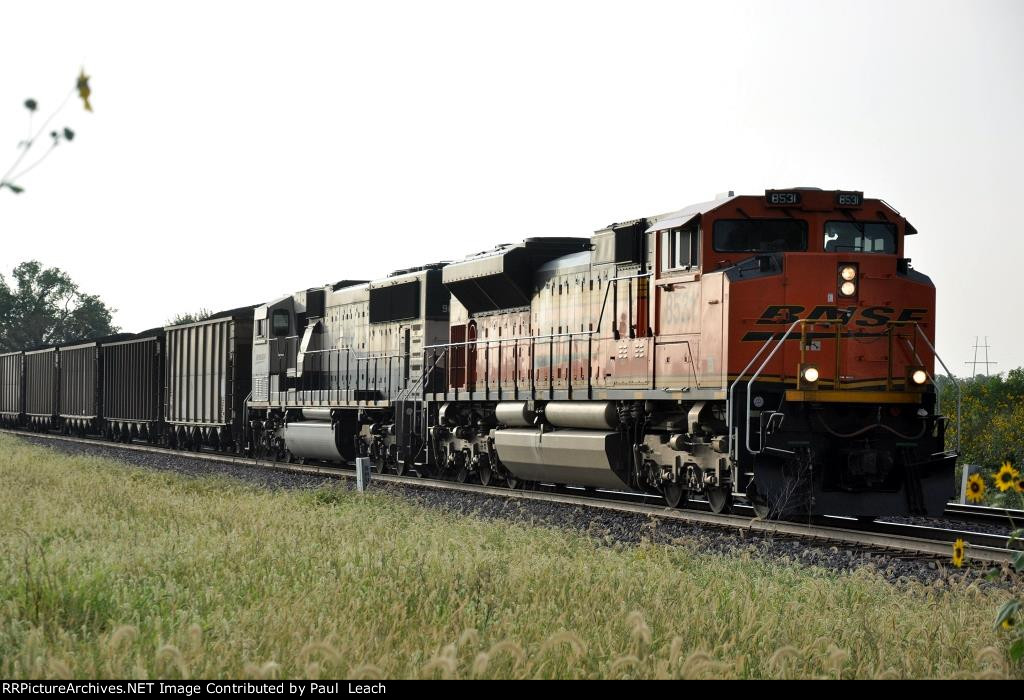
776 349
132 387
80 391
12 389
207 375
41 388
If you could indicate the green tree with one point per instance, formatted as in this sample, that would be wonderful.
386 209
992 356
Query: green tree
190 317
991 423
43 306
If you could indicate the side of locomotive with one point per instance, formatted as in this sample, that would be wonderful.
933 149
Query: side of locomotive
777 349
338 370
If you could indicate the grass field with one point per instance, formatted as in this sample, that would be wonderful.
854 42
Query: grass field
109 571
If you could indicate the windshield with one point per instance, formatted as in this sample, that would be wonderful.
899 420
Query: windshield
860 237
760 235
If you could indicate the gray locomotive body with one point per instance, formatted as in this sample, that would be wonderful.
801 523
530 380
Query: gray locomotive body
330 365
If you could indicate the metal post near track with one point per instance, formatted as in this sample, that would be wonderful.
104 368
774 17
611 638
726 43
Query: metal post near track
968 469
362 473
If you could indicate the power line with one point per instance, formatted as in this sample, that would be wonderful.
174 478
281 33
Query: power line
975 362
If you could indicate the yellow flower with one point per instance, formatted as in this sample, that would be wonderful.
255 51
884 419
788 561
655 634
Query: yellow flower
1006 476
958 553
1008 623
975 488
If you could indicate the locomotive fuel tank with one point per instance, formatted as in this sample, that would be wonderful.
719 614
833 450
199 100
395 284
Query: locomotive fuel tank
583 457
588 415
312 439
514 413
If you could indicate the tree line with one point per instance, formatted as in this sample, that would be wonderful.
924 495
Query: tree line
42 306
991 424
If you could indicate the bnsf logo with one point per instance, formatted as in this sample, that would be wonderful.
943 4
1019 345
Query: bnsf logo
866 318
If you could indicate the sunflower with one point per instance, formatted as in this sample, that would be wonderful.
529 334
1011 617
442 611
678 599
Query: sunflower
1018 485
975 488
958 553
1008 623
1006 477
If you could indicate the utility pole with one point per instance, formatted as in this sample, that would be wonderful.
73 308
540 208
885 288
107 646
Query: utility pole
975 362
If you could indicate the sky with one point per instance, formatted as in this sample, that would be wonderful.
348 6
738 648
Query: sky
239 151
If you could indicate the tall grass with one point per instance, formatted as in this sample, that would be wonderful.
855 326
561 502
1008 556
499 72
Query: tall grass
109 571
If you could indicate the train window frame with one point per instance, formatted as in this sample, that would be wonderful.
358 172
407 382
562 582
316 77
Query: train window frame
716 230
889 225
275 326
261 328
672 248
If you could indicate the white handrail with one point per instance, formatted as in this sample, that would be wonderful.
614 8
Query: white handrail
729 400
949 374
757 374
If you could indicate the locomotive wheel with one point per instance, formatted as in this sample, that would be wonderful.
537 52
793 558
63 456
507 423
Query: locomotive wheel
513 482
401 467
674 494
379 466
720 499
462 466
485 473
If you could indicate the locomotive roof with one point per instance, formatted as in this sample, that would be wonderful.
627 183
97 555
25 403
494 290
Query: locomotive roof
683 216
503 278
566 262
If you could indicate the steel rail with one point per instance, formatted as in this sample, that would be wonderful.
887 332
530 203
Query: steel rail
889 536
986 514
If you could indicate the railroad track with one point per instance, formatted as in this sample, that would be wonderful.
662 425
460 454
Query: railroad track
985 514
879 535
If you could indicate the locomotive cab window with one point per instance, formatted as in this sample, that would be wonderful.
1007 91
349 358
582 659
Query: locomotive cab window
860 237
760 235
279 324
680 248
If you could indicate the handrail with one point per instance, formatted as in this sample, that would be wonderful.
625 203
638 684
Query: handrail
951 378
779 342
509 339
604 303
729 399
757 374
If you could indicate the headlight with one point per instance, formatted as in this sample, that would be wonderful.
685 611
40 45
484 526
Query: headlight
848 273
919 376
848 289
810 374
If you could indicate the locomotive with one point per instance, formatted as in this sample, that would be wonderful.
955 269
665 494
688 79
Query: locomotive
773 349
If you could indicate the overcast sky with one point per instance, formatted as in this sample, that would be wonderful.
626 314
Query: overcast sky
239 151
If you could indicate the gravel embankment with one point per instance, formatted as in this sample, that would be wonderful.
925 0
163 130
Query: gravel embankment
608 527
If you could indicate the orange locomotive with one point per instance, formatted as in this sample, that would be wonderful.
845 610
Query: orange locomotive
777 349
